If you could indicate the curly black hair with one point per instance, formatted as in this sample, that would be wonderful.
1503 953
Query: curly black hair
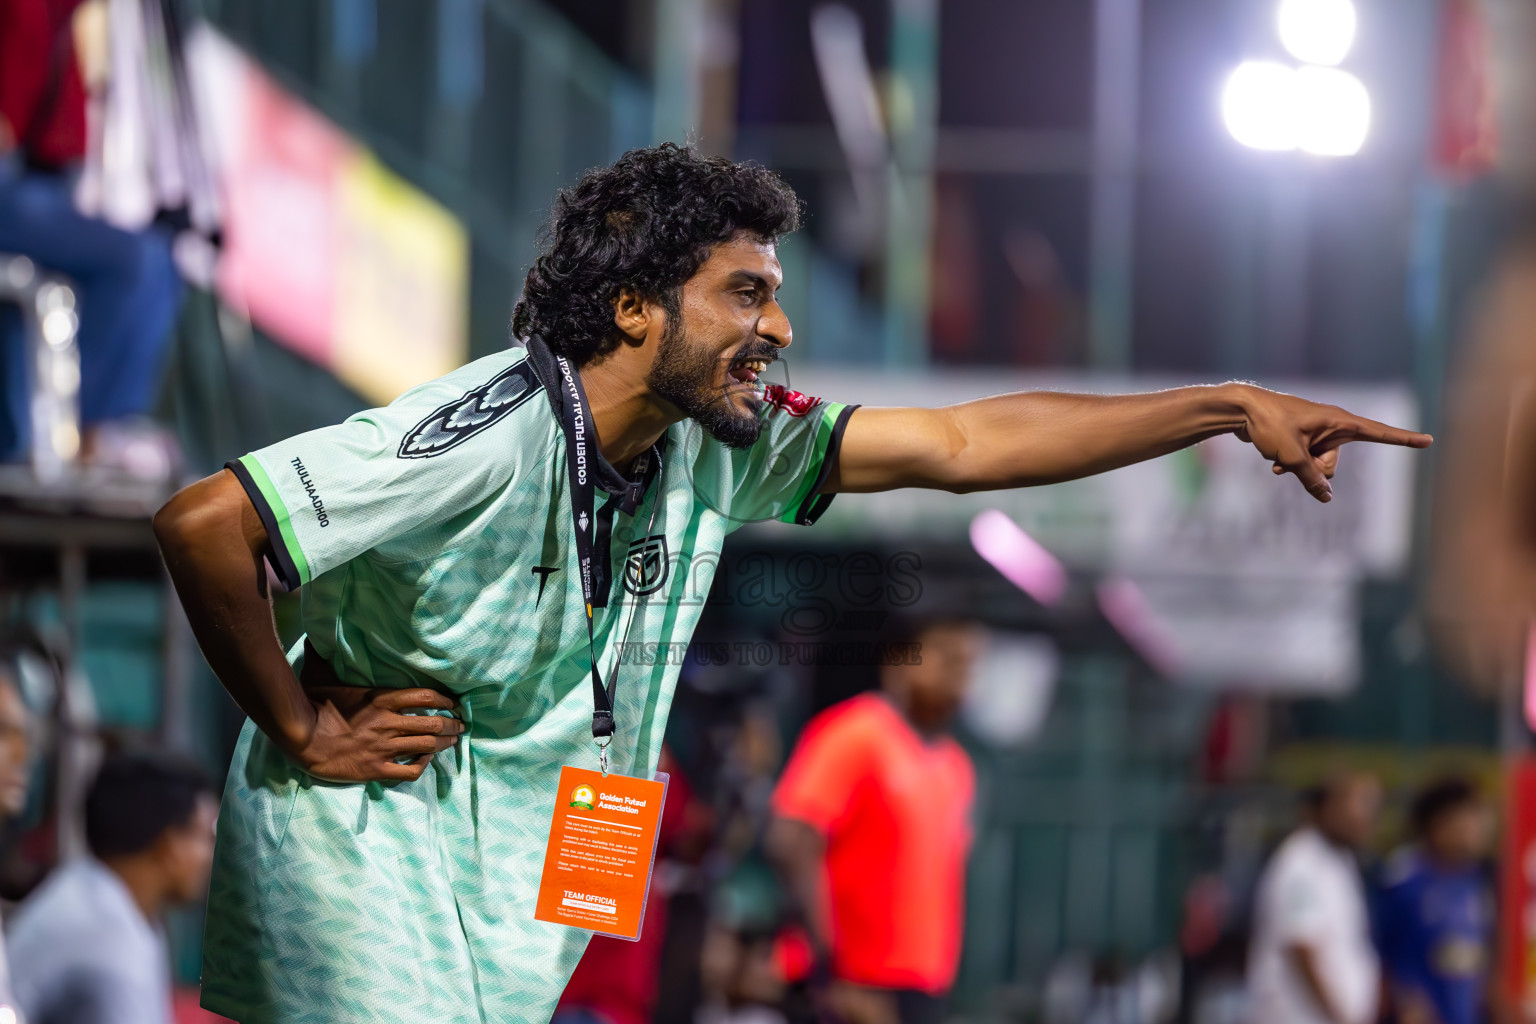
645 223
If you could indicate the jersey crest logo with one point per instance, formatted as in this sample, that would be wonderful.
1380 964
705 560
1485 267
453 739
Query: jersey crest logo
792 402
451 425
647 566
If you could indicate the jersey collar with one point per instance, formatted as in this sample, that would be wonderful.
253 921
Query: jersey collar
629 492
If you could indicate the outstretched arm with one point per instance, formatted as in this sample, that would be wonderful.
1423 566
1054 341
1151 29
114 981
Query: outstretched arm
1042 437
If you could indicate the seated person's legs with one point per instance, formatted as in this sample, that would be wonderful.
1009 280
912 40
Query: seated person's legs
129 293
122 360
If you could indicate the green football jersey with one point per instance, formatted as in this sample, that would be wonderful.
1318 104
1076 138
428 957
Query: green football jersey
434 545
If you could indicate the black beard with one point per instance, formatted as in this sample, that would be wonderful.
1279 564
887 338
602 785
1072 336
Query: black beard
685 376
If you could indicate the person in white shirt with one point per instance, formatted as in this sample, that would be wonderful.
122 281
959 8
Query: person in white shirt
87 946
1312 960
15 772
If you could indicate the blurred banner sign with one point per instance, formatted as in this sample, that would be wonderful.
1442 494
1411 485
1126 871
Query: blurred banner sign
336 257
1253 583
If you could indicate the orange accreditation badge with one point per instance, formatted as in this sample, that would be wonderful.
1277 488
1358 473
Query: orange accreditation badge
602 847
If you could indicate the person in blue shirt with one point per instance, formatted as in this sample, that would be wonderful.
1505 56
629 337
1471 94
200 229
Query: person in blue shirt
1436 911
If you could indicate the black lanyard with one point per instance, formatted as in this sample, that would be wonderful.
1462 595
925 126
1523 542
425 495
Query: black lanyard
582 463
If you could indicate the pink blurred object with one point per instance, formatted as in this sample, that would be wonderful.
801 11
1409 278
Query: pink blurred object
283 246
1018 556
1530 677
1126 608
184 1004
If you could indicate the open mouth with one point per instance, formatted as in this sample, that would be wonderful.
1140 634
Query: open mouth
746 371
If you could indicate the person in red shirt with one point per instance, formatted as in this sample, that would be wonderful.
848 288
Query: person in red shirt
871 828
42 99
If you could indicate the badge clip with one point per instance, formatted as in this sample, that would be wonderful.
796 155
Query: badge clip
602 754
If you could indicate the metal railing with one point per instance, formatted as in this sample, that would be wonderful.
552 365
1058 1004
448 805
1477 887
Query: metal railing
52 355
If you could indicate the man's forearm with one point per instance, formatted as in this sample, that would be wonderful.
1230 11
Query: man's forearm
1071 436
1028 438
799 852
1304 960
209 536
1045 437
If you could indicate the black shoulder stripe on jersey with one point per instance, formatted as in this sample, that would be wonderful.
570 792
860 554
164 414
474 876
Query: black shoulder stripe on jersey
815 503
281 559
451 425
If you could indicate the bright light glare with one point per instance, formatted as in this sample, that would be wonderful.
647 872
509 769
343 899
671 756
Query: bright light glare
1333 112
1317 31
66 444
1259 105
1324 111
59 327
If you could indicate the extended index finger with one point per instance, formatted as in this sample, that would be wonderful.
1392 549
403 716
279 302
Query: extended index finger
418 697
1358 428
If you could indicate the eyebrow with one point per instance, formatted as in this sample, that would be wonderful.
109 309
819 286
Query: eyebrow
740 277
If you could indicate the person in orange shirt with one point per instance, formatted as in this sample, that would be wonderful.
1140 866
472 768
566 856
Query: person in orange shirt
871 828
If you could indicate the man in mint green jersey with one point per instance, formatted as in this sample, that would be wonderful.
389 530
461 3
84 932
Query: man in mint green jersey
476 559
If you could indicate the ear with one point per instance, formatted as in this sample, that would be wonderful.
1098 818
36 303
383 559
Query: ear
632 315
163 850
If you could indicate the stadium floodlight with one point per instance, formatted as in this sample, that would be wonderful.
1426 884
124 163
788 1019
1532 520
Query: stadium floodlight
1324 111
1317 31
1333 112
1259 105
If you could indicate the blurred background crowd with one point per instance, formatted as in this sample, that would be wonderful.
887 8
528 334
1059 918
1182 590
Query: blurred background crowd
1182 746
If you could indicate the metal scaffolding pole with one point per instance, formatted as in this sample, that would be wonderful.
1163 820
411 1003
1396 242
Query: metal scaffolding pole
1112 210
677 63
912 115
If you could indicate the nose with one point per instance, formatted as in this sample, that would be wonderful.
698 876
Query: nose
773 327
